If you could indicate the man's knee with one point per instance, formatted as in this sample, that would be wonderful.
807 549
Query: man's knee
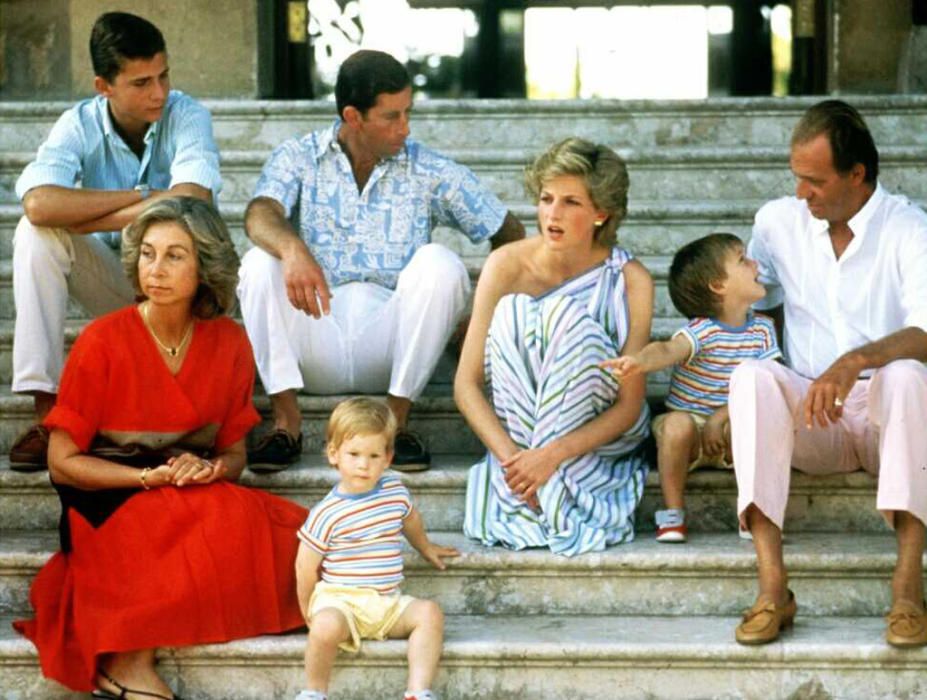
436 266
901 380
37 244
751 374
903 373
258 269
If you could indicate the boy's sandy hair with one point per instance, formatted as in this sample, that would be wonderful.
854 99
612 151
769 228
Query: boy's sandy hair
360 416
695 266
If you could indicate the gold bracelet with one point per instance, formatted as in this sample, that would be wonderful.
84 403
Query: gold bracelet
144 478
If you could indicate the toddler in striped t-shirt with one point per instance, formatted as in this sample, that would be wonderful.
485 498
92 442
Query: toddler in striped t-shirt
351 541
714 284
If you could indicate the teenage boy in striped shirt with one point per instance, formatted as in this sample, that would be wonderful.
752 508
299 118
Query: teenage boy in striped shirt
351 541
714 284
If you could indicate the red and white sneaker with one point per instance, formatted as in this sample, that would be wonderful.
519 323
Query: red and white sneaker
671 525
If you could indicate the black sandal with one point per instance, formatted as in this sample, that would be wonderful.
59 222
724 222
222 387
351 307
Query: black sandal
106 695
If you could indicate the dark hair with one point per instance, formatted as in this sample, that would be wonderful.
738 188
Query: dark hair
850 140
695 266
217 261
366 74
117 36
603 171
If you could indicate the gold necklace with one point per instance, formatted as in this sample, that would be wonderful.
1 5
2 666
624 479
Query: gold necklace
166 348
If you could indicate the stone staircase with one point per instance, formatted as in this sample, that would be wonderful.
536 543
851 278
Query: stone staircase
638 621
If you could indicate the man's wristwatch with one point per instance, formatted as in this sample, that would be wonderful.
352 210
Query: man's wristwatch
143 190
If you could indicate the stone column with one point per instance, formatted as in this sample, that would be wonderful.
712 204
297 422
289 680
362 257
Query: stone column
868 40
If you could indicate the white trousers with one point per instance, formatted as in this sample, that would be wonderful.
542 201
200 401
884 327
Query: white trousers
375 339
50 265
883 430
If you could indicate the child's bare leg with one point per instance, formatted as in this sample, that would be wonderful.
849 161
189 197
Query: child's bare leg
327 630
423 624
677 446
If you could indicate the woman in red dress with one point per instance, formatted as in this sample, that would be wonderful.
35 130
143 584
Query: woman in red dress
159 546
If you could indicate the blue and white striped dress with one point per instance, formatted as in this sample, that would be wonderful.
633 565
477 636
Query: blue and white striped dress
542 366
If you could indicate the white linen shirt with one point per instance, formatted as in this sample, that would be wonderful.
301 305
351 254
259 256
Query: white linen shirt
877 287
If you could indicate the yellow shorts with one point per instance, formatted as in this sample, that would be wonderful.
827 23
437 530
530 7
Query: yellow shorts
370 615
701 460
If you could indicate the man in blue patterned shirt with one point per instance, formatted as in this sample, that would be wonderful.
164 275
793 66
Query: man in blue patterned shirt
354 296
105 159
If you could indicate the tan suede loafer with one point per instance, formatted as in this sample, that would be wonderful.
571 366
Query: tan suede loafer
907 625
763 622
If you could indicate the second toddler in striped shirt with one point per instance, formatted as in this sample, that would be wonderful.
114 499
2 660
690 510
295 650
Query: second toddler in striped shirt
351 540
714 284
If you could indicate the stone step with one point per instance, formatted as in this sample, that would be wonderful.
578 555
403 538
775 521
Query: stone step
441 380
662 308
652 228
597 657
715 174
830 573
434 416
495 124
841 503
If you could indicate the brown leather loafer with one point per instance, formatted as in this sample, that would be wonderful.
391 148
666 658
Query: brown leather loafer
29 452
763 622
907 625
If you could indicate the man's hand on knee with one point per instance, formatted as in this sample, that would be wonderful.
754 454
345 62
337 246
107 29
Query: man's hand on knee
306 287
824 402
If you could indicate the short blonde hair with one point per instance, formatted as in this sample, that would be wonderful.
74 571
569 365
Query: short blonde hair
217 261
603 171
360 416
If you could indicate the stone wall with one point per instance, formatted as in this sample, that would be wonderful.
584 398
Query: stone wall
35 50
868 42
44 55
213 45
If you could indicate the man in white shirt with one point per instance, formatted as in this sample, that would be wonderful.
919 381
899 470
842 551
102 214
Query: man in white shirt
848 263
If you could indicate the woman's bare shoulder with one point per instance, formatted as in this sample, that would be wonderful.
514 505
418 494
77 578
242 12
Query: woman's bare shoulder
636 274
511 259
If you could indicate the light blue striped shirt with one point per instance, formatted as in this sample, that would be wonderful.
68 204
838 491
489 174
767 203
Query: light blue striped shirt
84 148
371 236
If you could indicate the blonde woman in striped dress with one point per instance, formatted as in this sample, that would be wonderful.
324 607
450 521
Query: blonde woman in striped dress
564 467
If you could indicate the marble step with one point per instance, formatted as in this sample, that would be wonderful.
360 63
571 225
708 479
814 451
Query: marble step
662 306
434 416
548 657
713 574
840 503
652 228
495 124
712 174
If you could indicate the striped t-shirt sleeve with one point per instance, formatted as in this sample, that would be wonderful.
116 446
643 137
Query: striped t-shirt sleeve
316 532
771 350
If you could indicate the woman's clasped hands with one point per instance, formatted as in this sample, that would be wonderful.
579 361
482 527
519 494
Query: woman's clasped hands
528 470
184 469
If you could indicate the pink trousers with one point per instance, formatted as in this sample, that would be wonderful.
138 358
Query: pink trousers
883 430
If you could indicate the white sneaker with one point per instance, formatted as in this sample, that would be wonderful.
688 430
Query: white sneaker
311 695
